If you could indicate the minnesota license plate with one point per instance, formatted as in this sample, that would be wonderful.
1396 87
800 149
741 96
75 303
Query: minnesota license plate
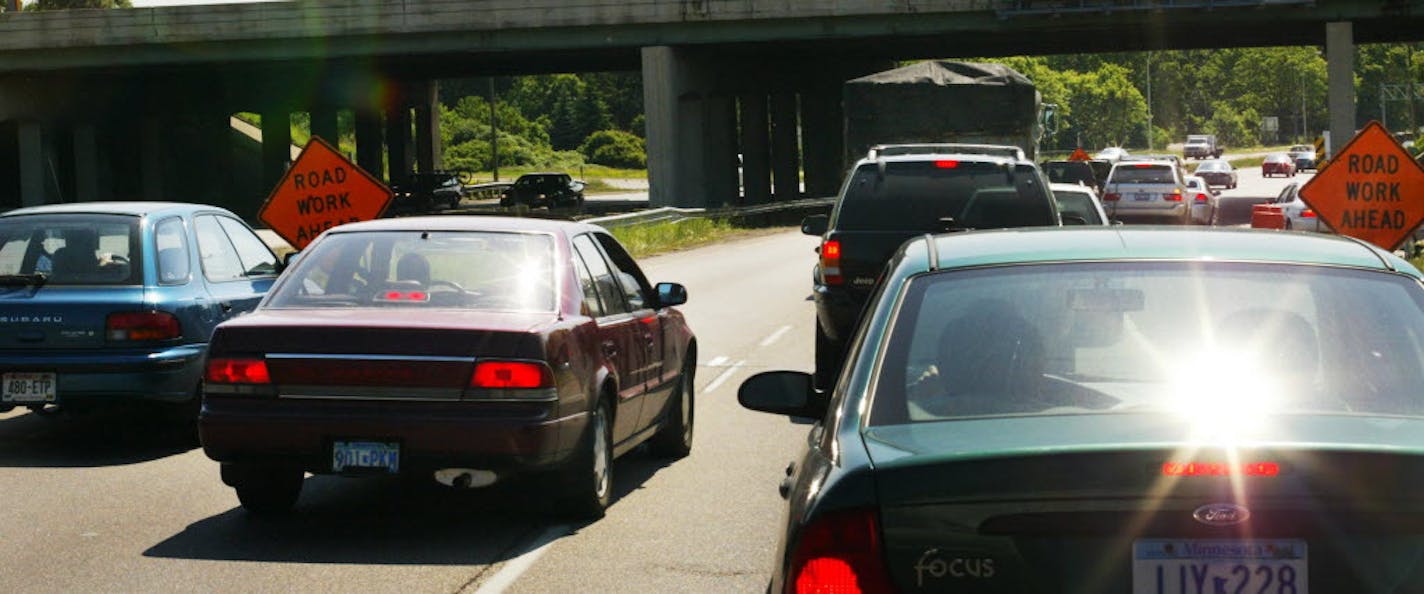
365 455
1189 566
1142 196
28 388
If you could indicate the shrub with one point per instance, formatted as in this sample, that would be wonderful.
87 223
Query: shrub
615 148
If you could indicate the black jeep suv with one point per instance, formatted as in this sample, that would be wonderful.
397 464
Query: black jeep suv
891 198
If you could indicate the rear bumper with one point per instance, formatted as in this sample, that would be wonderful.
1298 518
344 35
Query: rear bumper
502 437
168 374
1128 210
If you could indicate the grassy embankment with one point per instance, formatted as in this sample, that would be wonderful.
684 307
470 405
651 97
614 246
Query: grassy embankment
658 238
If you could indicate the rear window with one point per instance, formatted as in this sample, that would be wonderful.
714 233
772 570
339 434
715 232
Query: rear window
1078 204
1070 173
1143 174
1184 338
930 196
414 269
1214 166
72 249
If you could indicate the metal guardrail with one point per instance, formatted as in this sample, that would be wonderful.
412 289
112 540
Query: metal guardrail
668 213
486 191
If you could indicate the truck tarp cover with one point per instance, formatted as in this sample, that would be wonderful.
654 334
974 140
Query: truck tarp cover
938 101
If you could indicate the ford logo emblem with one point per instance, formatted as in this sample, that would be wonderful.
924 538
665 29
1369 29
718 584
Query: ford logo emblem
1221 514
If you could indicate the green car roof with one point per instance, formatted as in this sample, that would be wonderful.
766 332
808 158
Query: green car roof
1077 244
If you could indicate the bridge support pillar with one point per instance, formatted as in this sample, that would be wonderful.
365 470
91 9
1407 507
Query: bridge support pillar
399 156
368 142
153 157
822 140
32 166
86 162
276 144
785 147
1340 72
756 149
323 124
427 127
690 143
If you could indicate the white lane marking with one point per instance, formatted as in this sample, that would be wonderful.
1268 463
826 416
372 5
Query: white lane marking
717 361
727 374
517 566
775 335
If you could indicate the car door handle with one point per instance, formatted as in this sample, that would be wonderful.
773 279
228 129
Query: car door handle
610 349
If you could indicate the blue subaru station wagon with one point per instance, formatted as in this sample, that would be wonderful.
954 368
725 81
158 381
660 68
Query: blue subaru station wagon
112 302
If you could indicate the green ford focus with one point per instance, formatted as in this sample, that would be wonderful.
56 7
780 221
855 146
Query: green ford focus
1133 410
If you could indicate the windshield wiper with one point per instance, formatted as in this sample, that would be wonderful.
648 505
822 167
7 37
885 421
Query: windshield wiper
23 280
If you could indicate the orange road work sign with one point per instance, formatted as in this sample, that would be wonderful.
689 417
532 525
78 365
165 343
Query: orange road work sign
321 190
1372 189
1079 155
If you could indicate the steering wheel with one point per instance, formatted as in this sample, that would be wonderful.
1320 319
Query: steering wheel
117 259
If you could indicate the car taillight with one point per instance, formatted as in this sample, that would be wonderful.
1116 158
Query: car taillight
511 375
1307 213
1173 196
946 164
223 370
142 325
1201 197
831 262
839 552
1112 196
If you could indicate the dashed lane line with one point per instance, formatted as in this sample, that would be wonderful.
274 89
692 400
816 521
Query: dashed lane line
723 377
516 567
775 335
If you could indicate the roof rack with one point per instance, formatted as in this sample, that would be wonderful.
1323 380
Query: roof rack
997 150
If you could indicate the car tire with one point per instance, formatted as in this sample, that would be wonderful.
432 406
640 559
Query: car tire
674 439
264 490
589 478
828 359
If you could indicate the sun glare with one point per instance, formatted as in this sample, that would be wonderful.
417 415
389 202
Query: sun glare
1225 394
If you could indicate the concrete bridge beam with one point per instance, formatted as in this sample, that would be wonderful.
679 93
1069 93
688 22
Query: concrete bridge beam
822 139
399 156
86 162
32 151
368 142
428 155
324 124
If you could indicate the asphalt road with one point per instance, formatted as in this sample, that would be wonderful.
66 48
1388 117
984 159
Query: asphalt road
123 505
1234 206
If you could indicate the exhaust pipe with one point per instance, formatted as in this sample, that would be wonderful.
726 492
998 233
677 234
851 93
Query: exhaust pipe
465 478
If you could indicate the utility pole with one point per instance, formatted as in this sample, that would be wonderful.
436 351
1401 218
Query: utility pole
1149 100
494 133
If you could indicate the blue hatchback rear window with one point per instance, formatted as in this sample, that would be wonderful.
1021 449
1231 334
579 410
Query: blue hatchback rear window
72 249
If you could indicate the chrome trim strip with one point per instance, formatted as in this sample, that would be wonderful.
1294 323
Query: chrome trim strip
356 357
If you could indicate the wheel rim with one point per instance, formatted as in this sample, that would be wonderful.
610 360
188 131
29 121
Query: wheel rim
600 454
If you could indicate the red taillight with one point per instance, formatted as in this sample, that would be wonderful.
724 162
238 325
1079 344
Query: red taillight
1220 469
1142 165
1201 198
237 371
1307 213
511 375
839 552
142 325
405 296
831 262
1112 196
946 164
1173 196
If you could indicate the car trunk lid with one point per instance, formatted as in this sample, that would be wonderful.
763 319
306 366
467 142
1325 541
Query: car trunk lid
61 317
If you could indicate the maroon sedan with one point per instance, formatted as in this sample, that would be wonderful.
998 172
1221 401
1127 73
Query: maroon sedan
1278 164
466 349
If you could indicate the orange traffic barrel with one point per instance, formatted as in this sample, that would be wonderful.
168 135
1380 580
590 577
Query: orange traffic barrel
1267 216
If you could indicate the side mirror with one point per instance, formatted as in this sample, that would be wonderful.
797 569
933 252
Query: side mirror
787 393
815 225
288 260
1074 220
671 294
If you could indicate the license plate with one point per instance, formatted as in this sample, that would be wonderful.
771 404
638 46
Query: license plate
1142 196
28 388
365 455
1188 566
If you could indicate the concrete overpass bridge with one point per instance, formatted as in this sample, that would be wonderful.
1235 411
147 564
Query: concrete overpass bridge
135 103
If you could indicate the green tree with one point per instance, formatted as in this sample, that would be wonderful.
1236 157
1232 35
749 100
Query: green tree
71 4
1109 109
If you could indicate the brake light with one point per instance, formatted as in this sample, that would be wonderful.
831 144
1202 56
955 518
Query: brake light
839 552
1173 196
142 325
512 375
404 296
237 371
1220 469
1307 213
831 262
1142 165
1201 198
946 164
1112 196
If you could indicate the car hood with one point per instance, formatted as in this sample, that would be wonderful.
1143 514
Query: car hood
971 439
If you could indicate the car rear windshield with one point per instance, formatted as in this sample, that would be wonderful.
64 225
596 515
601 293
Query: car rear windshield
1070 173
72 249
1078 204
1217 339
931 196
415 269
1143 174
1214 166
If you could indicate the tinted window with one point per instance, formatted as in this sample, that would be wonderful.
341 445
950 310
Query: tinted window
448 269
256 258
608 289
1170 337
915 196
73 249
170 241
1078 204
1143 174
590 289
1070 173
1214 166
630 278
215 250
